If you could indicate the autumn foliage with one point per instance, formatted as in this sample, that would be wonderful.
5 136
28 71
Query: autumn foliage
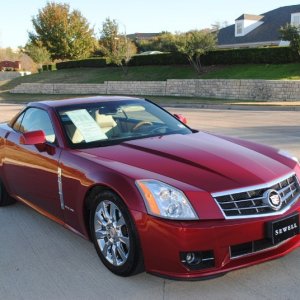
64 33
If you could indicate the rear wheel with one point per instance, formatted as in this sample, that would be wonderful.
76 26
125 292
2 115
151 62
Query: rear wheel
5 199
114 234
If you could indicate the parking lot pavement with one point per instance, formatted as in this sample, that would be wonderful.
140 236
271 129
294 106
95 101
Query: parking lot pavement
7 111
41 260
280 129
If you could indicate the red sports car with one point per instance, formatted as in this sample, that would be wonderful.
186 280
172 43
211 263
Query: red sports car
150 192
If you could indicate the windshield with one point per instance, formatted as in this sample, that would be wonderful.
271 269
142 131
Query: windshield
106 123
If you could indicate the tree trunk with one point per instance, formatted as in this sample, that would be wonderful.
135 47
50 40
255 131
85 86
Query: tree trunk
196 64
124 69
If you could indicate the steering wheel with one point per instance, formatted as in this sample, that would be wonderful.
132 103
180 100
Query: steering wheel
141 124
159 129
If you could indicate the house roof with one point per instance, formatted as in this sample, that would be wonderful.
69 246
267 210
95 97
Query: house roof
142 36
249 17
266 32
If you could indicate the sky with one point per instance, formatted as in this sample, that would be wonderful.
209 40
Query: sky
133 15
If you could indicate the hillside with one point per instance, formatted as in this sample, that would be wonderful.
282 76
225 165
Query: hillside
99 75
153 73
267 72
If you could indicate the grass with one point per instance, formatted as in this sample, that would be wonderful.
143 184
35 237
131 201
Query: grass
158 73
91 75
99 75
6 97
268 72
149 73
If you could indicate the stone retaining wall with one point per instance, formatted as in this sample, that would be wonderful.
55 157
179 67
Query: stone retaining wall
209 88
9 75
153 88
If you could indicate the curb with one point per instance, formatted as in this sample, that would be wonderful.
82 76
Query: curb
232 107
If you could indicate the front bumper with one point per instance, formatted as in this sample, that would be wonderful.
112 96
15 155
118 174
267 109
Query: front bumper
162 242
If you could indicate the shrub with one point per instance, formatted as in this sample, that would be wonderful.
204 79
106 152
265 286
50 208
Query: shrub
83 63
276 55
52 67
172 58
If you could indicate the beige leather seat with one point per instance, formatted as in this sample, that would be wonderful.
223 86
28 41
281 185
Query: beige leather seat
107 124
74 134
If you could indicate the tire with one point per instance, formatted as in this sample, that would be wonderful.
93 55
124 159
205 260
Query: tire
114 235
5 199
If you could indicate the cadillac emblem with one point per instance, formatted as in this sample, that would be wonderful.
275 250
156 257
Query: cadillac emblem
273 199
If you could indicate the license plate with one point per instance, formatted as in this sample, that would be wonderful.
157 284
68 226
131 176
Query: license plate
280 230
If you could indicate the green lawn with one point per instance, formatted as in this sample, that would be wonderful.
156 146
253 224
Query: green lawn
268 72
99 75
6 97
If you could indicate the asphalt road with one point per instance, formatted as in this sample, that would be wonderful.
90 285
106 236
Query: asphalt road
41 260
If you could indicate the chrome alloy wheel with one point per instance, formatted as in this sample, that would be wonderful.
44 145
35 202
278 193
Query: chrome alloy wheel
111 233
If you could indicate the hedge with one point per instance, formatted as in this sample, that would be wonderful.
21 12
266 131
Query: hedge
275 55
159 59
83 63
51 67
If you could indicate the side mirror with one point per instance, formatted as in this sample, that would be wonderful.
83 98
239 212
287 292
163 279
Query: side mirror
33 138
181 118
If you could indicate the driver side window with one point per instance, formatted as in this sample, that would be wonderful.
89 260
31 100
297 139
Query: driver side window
38 119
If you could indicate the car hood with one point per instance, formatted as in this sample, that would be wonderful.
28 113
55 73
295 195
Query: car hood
202 160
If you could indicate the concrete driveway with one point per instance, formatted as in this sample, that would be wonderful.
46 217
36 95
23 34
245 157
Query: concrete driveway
41 260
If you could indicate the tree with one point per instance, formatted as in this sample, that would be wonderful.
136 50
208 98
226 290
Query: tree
195 43
115 47
64 33
219 25
291 33
39 54
163 42
8 54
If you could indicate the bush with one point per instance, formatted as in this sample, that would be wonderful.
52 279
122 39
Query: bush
52 67
172 58
137 60
276 55
83 63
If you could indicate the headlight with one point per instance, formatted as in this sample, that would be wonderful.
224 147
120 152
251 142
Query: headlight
165 201
288 155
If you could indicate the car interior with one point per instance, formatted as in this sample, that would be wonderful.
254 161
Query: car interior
118 123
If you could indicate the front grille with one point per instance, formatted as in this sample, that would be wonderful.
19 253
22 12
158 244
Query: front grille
249 202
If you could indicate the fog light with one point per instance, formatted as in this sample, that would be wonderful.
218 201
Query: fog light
198 259
192 258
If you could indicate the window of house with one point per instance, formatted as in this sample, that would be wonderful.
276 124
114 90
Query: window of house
239 28
295 19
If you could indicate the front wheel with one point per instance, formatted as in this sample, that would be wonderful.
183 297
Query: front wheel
114 234
5 199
